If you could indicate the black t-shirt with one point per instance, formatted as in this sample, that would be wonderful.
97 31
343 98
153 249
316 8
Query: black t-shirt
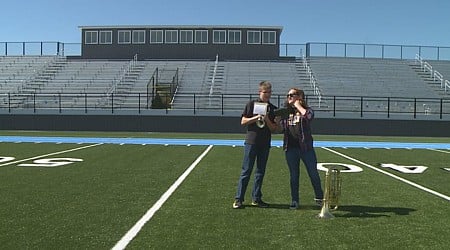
297 130
255 135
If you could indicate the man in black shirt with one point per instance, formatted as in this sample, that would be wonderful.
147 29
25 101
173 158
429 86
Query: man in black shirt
257 144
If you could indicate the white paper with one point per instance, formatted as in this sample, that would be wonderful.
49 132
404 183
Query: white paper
260 108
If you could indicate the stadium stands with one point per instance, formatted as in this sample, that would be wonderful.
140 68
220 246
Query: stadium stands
55 82
17 71
236 80
369 77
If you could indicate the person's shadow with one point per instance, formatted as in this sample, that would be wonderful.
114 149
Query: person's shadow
370 212
358 211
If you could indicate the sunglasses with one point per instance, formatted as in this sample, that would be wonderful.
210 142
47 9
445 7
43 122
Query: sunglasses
291 95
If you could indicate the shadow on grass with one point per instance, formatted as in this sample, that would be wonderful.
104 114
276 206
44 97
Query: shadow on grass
350 211
370 212
284 206
271 206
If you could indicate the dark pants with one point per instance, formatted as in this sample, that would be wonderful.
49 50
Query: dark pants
253 153
293 156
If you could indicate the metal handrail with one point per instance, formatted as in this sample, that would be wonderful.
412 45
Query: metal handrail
326 49
434 108
436 75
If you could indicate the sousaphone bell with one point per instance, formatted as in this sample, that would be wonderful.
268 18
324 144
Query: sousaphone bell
332 193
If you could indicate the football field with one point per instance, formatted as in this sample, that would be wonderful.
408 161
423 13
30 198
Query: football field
72 190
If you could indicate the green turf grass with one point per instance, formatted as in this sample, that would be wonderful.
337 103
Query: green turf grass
92 204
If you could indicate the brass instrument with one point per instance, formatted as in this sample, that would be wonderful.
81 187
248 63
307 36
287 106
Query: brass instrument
260 122
260 108
332 193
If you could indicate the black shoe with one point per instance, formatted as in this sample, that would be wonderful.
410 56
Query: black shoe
319 202
237 204
260 203
294 205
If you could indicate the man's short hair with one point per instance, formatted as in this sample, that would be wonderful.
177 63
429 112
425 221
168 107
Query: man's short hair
265 85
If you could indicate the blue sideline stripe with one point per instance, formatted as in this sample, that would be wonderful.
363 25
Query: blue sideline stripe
217 142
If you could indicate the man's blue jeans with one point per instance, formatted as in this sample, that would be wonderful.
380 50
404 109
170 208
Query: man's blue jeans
253 153
293 156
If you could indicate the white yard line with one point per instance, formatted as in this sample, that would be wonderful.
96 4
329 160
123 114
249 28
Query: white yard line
55 153
128 237
437 150
391 175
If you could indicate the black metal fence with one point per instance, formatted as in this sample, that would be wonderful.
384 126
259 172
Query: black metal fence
47 48
359 50
194 103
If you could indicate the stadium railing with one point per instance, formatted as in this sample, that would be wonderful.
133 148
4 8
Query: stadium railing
312 80
436 75
193 103
383 51
361 50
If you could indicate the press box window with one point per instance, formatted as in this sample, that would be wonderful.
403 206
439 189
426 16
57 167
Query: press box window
138 36
253 37
268 37
156 36
124 36
201 36
219 36
91 37
171 36
105 37
234 37
186 36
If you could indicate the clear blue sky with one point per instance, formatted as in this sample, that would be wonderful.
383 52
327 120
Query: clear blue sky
407 22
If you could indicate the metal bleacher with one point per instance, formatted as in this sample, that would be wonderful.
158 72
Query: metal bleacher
400 81
441 66
369 77
69 86
16 70
60 82
236 80
440 69
137 94
244 76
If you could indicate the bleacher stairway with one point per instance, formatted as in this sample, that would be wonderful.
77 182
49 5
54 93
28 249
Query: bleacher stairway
123 86
304 83
25 92
430 79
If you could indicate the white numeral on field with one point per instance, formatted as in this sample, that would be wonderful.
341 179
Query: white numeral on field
51 162
6 158
405 169
344 168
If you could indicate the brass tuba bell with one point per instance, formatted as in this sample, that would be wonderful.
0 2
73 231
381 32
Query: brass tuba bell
332 193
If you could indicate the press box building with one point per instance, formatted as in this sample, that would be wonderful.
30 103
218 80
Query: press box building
181 42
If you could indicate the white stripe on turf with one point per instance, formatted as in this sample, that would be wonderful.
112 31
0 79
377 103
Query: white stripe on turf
149 214
437 150
55 153
391 175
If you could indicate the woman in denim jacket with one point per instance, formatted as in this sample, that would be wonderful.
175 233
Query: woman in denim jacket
298 145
